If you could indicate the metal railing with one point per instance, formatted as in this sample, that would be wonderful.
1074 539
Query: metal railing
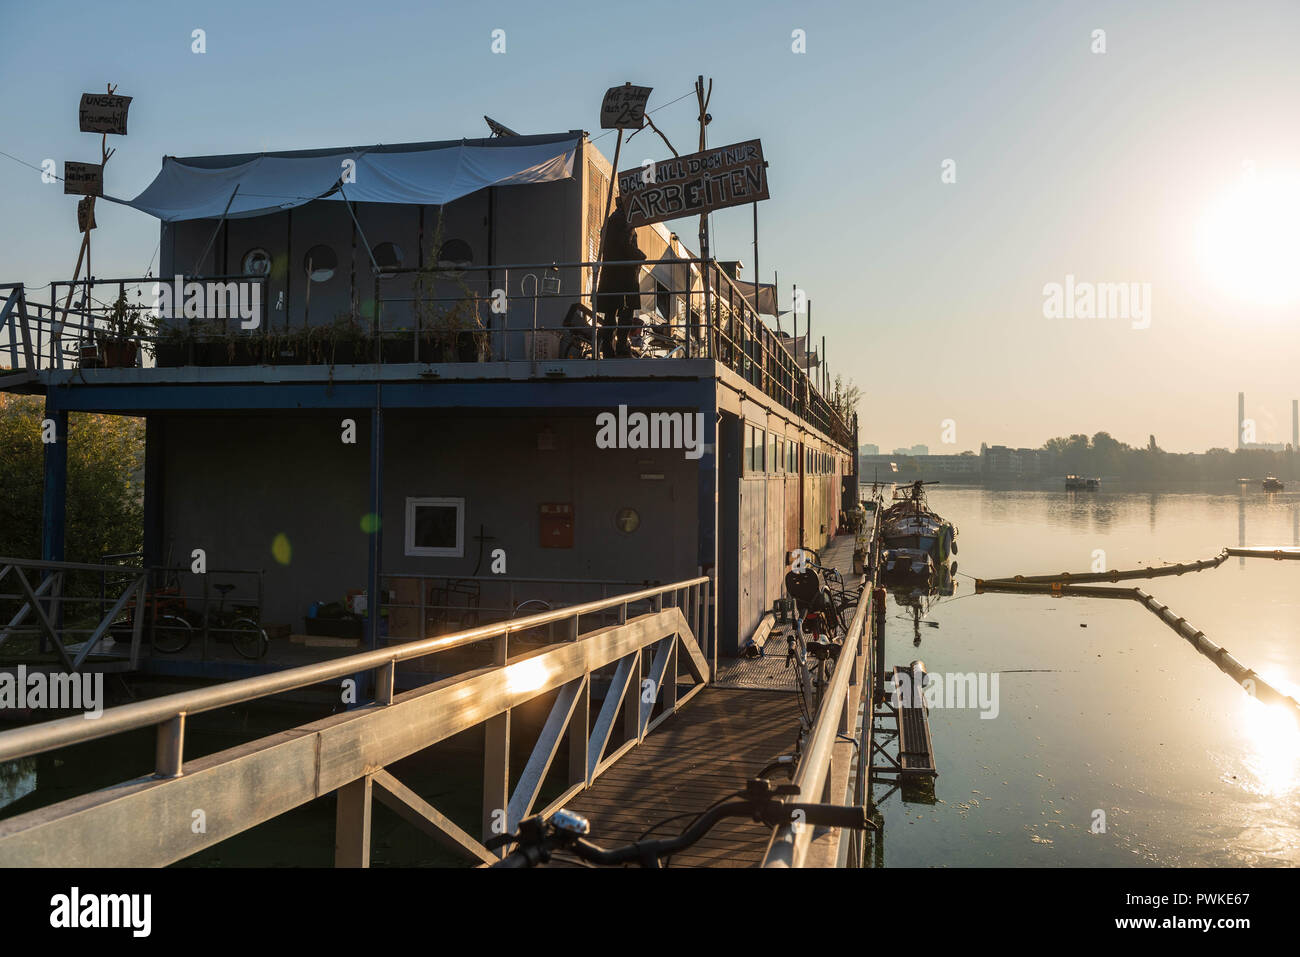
348 752
838 714
471 314
427 603
48 594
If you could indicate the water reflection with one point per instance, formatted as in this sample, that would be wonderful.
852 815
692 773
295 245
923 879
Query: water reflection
17 780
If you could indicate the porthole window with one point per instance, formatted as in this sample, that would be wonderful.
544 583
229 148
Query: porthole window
389 256
257 262
455 256
627 521
320 263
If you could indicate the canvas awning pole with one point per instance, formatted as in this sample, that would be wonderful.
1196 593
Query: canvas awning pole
703 100
360 232
213 238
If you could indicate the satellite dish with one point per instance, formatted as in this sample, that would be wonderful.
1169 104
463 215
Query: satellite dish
499 129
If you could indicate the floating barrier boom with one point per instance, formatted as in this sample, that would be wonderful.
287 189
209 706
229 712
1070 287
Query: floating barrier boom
1248 678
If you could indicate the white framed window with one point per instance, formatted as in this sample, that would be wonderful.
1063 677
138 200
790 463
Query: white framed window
435 527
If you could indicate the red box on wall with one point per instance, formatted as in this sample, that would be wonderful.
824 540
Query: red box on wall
556 525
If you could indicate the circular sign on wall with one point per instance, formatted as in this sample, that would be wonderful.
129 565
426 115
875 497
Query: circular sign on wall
627 520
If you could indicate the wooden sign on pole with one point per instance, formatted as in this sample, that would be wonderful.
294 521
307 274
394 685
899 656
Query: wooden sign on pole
103 113
86 214
83 179
623 107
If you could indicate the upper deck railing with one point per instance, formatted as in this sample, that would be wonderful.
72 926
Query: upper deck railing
539 312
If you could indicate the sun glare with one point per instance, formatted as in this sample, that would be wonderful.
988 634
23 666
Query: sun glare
1273 735
1249 240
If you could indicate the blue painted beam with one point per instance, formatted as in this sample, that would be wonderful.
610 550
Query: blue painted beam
54 508
283 396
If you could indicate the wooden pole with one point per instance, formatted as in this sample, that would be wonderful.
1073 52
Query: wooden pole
703 100
105 154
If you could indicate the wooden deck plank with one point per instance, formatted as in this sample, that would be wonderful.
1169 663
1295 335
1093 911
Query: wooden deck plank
709 749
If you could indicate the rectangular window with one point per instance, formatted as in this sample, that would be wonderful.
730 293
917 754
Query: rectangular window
771 452
435 527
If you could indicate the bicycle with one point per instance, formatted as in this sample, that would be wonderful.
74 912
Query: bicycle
540 838
575 344
173 632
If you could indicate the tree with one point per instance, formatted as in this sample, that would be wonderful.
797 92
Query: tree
105 482
845 397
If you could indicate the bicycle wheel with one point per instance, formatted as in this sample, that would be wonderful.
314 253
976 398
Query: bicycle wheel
171 633
249 638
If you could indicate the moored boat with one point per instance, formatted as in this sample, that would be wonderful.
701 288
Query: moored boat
1273 484
917 540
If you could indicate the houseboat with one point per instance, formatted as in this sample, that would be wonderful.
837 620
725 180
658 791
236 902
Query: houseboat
358 380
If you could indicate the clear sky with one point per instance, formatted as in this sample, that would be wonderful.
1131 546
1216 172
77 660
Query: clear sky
1172 159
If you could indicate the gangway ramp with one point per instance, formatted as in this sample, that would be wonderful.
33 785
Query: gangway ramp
700 755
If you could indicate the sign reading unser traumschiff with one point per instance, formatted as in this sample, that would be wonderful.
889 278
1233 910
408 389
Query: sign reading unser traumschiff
698 183
103 113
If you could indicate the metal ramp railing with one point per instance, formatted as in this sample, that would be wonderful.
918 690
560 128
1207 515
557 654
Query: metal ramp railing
43 596
148 821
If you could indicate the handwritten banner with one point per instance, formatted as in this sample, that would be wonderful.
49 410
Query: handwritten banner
699 183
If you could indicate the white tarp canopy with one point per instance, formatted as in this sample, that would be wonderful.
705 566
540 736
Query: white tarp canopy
417 173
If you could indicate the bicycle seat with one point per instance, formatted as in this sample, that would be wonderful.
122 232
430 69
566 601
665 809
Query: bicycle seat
224 589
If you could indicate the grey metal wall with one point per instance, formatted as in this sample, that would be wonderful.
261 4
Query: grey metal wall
233 483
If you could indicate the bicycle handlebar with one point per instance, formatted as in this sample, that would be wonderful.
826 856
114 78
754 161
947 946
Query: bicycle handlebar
537 849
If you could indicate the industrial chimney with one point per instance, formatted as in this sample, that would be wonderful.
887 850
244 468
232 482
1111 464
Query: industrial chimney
1241 416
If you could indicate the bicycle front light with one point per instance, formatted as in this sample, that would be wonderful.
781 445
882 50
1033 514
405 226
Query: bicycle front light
570 822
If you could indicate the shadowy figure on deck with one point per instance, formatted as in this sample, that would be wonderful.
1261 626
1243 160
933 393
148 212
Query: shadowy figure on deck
617 295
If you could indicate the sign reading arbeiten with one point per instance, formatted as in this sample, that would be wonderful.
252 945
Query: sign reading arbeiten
694 184
103 113
83 179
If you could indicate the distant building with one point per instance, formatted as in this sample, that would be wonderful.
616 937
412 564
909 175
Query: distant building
1264 446
914 450
869 450
1003 462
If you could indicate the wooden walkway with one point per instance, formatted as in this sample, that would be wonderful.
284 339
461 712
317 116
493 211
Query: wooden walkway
704 752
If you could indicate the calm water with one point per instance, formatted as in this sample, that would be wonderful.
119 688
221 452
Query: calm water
1102 706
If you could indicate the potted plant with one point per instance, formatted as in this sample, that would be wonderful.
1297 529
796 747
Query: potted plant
346 341
119 340
170 346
